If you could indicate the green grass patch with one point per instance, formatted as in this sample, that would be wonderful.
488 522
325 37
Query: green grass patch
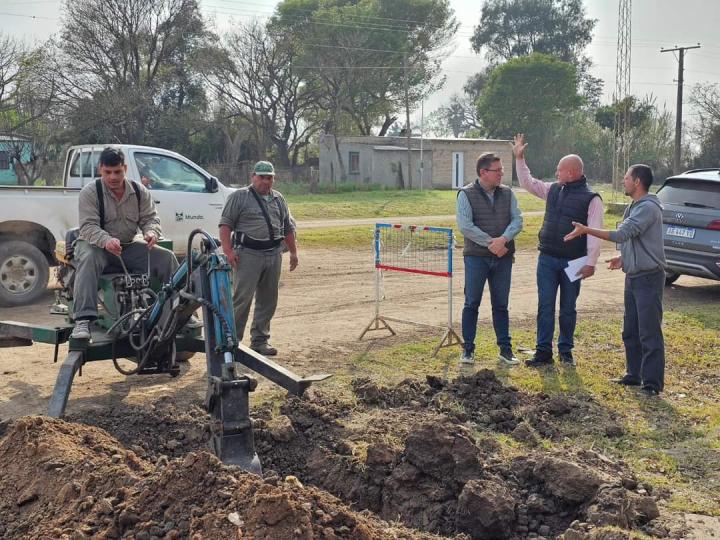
392 203
361 236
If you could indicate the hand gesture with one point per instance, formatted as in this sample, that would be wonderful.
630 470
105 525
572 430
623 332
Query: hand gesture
577 232
293 261
518 146
113 246
615 263
586 272
151 239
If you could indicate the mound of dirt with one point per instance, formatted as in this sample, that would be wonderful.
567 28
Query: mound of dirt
417 461
64 480
428 454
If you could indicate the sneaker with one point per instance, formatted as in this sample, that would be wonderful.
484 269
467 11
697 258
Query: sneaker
650 391
507 356
540 358
264 349
567 358
81 330
467 357
626 380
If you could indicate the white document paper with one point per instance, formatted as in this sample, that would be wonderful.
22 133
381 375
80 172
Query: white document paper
574 267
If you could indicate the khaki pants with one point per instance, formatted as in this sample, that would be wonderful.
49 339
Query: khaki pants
256 275
91 262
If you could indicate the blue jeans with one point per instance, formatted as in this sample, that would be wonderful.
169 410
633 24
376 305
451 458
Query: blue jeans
497 272
550 276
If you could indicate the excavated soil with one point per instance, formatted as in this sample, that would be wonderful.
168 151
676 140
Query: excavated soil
415 460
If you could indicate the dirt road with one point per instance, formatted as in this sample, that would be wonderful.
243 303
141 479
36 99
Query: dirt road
324 305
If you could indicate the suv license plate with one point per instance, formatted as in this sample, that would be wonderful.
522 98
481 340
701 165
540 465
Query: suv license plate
684 232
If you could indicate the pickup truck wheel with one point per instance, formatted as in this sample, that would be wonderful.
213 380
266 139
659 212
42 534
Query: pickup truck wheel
671 277
24 273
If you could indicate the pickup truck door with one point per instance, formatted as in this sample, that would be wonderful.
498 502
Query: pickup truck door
184 197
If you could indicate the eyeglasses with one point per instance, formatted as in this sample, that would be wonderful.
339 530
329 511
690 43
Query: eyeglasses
501 169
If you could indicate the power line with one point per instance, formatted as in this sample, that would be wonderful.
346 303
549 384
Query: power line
29 16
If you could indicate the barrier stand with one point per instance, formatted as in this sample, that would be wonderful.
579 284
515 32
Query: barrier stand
417 250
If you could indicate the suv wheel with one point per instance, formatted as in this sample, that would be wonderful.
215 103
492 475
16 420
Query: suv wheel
671 277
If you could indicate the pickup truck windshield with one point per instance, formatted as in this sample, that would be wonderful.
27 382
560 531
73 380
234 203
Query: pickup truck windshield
167 173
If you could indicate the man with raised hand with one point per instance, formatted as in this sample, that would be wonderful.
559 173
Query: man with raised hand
567 200
642 258
489 218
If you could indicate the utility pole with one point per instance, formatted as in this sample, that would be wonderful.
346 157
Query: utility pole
678 113
407 123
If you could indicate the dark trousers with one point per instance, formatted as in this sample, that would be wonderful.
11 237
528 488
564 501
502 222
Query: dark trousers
642 329
91 262
551 275
497 272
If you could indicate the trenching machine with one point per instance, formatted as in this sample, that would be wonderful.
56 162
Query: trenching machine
154 327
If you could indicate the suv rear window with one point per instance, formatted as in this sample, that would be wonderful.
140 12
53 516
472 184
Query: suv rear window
702 194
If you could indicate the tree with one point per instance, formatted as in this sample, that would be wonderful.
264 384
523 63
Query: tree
254 78
638 111
706 100
131 61
360 56
457 118
529 95
28 96
513 28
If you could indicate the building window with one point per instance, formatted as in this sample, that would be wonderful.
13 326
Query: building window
4 161
354 162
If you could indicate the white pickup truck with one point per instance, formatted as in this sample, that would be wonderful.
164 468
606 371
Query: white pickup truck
34 219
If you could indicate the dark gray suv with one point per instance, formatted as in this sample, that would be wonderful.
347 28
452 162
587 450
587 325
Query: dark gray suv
691 224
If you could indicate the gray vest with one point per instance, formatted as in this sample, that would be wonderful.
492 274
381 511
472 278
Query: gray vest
493 219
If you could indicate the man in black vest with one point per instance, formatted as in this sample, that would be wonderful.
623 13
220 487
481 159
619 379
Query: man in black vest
489 218
569 199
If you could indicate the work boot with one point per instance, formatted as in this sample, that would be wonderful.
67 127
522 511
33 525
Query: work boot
507 356
81 330
264 349
540 358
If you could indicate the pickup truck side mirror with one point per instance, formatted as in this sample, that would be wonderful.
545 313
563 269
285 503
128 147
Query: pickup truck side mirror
211 184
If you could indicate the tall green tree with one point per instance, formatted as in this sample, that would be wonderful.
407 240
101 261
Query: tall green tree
529 95
560 28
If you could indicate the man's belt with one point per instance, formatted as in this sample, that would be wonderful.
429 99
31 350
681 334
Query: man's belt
242 239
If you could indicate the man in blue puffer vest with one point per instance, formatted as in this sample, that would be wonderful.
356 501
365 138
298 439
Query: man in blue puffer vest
567 200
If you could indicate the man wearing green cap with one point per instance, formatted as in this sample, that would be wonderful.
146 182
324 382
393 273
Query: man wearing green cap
255 224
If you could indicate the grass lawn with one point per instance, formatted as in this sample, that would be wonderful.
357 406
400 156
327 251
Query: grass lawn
671 442
391 203
360 236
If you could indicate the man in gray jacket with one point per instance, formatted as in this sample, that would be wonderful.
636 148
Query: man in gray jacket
642 258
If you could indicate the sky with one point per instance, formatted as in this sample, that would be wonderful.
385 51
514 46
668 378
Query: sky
655 24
